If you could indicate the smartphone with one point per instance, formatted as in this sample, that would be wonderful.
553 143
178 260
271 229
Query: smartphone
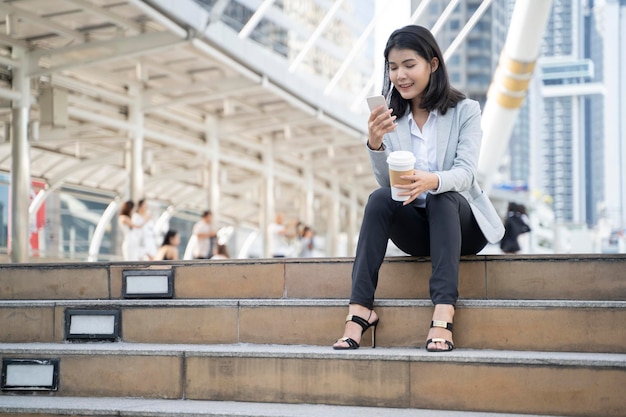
376 101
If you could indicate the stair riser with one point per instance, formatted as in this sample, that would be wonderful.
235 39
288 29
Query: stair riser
416 385
515 388
541 329
400 278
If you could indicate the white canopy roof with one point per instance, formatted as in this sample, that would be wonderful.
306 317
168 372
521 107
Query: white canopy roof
213 107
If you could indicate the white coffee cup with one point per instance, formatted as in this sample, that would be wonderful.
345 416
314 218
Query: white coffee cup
400 163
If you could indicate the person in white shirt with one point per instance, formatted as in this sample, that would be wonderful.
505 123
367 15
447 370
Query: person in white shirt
130 232
278 237
205 236
146 238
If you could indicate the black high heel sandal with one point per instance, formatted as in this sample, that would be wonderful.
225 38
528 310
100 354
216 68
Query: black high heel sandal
365 324
443 325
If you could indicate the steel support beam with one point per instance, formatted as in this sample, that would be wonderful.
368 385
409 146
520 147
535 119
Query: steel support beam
316 34
466 29
124 47
443 17
255 19
380 12
98 234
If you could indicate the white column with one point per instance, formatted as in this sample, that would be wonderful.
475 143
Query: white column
213 141
20 161
352 222
136 119
579 171
508 88
268 207
621 114
307 213
332 234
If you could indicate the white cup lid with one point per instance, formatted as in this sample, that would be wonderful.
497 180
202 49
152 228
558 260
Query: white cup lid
402 158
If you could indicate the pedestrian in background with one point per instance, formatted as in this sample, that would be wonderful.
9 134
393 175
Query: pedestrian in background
307 244
130 235
147 239
515 224
205 236
169 248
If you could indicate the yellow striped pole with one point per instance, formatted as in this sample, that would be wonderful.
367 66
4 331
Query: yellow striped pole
510 83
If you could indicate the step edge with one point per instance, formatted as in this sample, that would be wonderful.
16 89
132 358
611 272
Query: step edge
577 257
247 350
158 407
311 302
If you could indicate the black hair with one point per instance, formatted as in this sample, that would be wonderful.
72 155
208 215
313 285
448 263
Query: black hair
439 93
167 240
127 208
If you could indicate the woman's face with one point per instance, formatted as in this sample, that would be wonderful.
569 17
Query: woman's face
175 241
409 72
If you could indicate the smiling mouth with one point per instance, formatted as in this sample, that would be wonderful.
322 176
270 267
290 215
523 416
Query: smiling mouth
405 85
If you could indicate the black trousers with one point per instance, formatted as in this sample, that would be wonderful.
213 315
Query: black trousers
444 230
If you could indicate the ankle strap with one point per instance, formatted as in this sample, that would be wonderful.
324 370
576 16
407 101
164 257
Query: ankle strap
442 324
358 320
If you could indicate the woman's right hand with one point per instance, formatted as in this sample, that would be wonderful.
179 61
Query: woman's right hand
379 123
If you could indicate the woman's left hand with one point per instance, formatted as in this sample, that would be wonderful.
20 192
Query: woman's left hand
421 181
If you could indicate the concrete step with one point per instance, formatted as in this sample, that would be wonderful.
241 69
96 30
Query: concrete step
548 325
549 383
559 277
138 407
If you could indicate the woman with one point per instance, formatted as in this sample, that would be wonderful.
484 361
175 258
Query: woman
169 249
221 252
307 243
446 214
147 240
130 240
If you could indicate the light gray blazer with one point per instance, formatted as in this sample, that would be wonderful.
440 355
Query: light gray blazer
458 145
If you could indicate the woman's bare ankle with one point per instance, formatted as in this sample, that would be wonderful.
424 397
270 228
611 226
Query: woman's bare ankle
362 311
444 312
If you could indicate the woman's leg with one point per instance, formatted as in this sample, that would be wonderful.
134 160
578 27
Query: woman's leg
454 232
380 216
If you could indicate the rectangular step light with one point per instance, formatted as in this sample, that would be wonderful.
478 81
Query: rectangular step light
30 374
84 324
148 284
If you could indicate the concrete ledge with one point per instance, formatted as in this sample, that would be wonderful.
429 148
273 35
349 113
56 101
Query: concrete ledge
585 277
136 407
